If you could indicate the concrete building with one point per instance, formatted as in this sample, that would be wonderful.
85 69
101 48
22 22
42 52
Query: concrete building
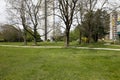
50 20
114 25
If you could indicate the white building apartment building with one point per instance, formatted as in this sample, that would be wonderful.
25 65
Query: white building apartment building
49 15
114 25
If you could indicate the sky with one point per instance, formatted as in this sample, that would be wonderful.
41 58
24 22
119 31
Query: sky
3 13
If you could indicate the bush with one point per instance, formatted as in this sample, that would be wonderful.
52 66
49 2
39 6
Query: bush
10 34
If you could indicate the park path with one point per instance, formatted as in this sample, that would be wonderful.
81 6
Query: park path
87 48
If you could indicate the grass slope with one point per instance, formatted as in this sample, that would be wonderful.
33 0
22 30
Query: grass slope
73 44
58 64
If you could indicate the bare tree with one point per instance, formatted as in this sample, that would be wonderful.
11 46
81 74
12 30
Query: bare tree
23 19
48 12
33 11
45 20
67 9
27 12
79 17
17 11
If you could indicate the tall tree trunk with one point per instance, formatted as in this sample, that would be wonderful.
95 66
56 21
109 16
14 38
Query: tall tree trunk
95 38
25 32
80 37
45 20
67 38
35 36
25 37
53 19
35 41
89 36
90 27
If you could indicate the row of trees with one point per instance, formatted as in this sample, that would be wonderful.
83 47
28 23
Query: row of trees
92 21
27 14
10 33
100 27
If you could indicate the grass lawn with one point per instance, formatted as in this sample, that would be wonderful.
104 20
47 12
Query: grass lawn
92 45
58 64
31 43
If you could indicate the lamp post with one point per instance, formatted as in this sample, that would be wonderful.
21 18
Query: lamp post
45 20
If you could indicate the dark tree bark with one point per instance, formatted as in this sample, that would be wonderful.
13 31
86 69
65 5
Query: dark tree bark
27 11
33 12
45 20
67 9
23 18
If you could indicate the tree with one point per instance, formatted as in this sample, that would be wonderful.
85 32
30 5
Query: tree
88 24
90 6
58 35
99 22
17 10
80 16
67 9
49 12
27 12
74 34
10 33
33 10
31 38
23 19
45 20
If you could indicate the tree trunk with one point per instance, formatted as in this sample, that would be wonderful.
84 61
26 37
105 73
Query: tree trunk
35 41
45 20
89 37
90 26
95 38
119 38
35 36
25 37
67 38
80 37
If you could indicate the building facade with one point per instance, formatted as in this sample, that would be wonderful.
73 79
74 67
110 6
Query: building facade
48 16
114 25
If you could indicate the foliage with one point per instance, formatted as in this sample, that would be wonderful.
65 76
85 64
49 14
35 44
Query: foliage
10 33
96 24
1 37
59 38
101 27
57 32
26 13
31 38
74 34
67 11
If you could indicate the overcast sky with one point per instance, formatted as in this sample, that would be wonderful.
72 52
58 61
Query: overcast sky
3 13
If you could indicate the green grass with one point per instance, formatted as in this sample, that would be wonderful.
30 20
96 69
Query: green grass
31 43
11 43
58 64
74 43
